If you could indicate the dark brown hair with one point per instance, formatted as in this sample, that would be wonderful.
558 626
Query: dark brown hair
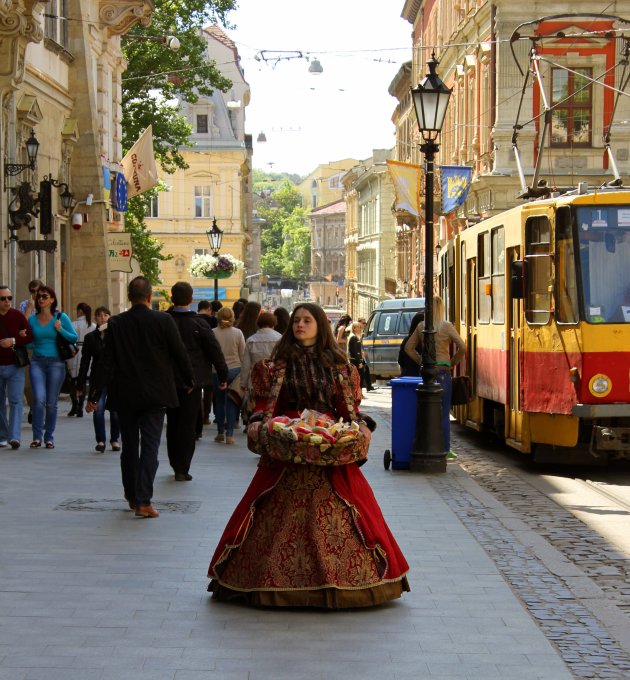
266 320
248 318
328 350
283 316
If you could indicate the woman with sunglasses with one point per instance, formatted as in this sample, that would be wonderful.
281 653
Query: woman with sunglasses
48 370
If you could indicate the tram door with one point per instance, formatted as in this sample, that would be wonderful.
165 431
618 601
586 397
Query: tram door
471 333
515 307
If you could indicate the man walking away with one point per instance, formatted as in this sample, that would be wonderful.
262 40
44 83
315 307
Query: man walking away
141 346
204 351
14 332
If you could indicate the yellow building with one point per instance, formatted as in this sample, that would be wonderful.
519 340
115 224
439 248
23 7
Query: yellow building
217 183
323 186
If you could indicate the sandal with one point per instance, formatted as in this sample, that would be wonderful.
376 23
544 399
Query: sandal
35 444
50 445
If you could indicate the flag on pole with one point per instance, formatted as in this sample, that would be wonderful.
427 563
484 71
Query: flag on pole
406 179
456 181
139 165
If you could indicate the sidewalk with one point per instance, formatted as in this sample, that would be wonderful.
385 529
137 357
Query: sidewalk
89 592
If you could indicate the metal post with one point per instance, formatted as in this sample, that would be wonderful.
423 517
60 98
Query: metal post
428 453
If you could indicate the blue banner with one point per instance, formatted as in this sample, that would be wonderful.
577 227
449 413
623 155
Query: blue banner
456 180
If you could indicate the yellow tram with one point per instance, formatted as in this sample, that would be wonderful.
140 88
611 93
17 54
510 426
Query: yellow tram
541 294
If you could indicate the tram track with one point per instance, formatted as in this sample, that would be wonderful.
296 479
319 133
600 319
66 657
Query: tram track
610 495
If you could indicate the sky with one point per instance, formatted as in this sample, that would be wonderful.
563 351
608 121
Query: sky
346 111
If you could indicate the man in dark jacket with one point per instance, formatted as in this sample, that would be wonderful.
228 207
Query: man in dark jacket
141 347
204 352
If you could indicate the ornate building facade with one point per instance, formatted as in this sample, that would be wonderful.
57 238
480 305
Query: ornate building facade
60 77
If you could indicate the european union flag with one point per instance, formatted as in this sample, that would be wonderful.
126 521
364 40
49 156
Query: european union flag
119 198
456 181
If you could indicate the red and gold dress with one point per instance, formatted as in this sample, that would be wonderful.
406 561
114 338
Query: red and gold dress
308 535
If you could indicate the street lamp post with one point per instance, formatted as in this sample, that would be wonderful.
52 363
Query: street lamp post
430 100
215 236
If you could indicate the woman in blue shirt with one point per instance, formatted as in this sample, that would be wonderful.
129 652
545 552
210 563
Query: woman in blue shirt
48 370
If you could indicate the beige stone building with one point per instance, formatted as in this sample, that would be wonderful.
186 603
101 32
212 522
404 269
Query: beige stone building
217 183
323 185
328 255
370 235
60 76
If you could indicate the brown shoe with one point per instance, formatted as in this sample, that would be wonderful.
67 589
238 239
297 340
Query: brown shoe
219 438
229 440
146 511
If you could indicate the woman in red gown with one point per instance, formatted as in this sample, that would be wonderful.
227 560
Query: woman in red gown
307 535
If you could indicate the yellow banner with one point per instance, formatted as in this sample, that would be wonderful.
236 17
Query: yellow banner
406 179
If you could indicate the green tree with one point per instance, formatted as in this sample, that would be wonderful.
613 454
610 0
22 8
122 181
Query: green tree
285 238
155 79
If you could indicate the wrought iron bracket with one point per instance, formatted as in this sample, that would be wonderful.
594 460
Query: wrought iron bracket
43 244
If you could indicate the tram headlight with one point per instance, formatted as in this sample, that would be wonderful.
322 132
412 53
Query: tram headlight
600 385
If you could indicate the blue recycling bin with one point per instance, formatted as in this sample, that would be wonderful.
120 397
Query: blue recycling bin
403 420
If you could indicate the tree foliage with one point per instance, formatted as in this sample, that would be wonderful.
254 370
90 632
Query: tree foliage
286 235
155 79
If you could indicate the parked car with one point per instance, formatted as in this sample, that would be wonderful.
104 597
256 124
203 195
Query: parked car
386 328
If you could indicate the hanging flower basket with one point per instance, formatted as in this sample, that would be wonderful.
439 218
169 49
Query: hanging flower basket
214 267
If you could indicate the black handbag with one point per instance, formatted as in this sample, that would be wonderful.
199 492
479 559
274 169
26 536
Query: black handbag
461 392
20 356
67 350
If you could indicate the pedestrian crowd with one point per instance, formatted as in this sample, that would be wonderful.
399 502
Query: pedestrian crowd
234 364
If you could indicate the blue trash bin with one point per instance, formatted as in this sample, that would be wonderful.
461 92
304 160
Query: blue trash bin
403 420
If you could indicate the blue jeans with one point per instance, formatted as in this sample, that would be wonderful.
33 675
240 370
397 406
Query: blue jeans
11 387
99 421
47 374
445 378
225 410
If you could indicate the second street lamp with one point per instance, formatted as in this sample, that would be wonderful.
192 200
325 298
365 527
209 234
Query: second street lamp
430 99
215 237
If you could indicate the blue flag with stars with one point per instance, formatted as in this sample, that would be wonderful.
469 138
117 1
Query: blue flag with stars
119 198
456 180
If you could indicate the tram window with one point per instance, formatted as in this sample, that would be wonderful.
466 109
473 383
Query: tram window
538 270
498 275
566 277
484 288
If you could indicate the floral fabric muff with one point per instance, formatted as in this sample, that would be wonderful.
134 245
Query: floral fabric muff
279 444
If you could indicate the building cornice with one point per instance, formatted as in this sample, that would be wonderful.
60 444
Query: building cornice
120 16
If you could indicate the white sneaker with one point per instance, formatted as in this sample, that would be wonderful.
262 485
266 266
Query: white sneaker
4 444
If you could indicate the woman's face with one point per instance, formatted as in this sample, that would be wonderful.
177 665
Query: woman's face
101 318
304 327
44 300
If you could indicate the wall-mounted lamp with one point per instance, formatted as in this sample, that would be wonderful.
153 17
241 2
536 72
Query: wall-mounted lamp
32 148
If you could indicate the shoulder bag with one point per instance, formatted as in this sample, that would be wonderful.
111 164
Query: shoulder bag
67 350
20 354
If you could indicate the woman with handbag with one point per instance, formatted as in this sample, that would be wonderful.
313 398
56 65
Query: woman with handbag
232 345
445 334
52 334
307 534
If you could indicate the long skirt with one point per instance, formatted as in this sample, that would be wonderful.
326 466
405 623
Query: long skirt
308 536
